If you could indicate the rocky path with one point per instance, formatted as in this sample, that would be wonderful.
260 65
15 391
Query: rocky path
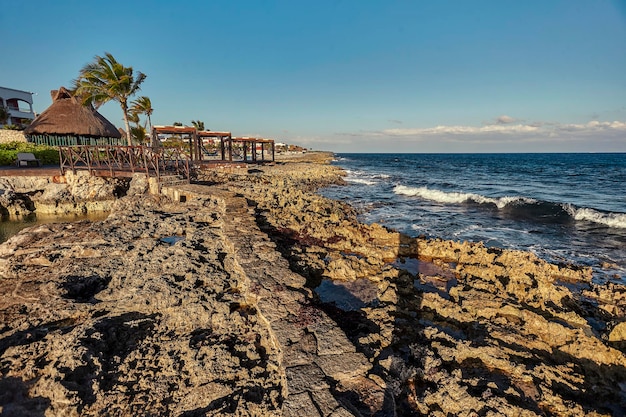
321 366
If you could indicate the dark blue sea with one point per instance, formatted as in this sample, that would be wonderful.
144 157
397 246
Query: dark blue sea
563 207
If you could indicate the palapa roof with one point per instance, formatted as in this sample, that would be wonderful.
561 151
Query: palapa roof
68 116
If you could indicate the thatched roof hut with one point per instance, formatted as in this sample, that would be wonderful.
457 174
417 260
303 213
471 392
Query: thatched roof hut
67 116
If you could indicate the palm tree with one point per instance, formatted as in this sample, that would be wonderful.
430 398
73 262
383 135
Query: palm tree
133 117
198 124
104 80
143 105
138 133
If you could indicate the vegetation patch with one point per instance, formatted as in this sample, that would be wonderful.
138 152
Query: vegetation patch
48 155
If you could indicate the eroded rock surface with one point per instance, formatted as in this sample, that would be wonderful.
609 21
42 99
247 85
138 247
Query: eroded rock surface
145 313
256 296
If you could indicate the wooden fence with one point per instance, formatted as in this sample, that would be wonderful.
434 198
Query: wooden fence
123 159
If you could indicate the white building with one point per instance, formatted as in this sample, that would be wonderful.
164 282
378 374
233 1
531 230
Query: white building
19 103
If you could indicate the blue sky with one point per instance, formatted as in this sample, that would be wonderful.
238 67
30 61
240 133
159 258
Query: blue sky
348 75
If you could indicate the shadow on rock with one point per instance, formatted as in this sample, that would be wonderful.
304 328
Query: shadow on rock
15 401
109 341
83 289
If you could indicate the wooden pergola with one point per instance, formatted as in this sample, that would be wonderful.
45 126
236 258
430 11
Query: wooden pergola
228 144
223 138
191 133
253 145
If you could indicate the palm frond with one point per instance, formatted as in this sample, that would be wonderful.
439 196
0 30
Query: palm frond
105 79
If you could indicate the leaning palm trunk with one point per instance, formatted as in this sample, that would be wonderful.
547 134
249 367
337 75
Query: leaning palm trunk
126 123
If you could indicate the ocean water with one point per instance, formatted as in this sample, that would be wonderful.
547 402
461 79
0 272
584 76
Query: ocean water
8 228
563 207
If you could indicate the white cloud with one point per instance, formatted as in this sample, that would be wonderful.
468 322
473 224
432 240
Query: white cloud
594 124
504 119
461 130
536 136
529 129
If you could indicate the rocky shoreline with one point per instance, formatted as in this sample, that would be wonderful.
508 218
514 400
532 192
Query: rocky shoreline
256 296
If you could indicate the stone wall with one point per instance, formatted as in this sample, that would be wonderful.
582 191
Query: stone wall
11 136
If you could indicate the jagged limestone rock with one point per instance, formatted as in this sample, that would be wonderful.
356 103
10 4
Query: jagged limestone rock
212 307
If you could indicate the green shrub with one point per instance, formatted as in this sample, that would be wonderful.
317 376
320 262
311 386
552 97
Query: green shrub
7 157
48 155
11 146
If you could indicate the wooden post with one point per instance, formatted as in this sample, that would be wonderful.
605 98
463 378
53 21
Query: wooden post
155 139
196 141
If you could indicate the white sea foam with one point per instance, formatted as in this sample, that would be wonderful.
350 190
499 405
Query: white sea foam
361 181
617 220
456 197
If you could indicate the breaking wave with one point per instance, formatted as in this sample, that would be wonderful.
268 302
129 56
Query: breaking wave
361 181
520 207
617 220
361 177
456 197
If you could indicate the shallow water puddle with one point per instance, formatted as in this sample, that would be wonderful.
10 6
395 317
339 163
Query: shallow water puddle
428 269
348 296
9 228
430 277
172 240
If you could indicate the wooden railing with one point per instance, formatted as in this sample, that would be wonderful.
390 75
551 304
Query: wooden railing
112 158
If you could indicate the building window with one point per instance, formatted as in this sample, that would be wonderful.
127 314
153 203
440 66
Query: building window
19 105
